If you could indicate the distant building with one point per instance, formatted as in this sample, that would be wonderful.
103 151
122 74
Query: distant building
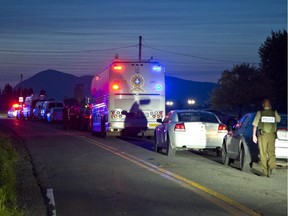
79 92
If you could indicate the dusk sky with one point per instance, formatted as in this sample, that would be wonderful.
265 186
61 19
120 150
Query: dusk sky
195 40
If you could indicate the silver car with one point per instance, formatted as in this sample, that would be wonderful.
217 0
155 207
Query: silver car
189 129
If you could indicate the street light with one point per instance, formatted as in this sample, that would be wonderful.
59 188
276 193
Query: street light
169 103
191 102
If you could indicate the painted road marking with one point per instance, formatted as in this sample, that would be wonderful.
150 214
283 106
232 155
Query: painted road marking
226 203
50 196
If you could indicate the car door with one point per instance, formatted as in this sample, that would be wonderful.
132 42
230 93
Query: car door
233 138
240 133
163 129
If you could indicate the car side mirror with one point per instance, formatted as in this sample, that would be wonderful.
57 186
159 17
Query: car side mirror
230 128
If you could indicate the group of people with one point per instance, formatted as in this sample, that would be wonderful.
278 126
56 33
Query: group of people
76 118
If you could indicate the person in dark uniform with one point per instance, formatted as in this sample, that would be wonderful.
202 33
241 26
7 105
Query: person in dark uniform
265 126
65 117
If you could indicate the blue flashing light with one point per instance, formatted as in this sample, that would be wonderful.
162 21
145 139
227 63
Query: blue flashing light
158 87
157 68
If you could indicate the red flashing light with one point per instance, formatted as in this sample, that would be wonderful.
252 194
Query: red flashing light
115 87
16 105
222 128
118 67
179 127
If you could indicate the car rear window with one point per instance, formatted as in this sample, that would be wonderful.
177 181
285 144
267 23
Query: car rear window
197 117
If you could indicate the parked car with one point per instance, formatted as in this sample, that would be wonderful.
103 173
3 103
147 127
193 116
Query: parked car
189 129
228 119
47 106
55 114
12 112
238 143
37 110
281 144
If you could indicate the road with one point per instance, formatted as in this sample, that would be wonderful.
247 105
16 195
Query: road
86 175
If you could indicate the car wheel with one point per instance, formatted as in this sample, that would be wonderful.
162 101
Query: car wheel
244 165
170 152
225 158
157 148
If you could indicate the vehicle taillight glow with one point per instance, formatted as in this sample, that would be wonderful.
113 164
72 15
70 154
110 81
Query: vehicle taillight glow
118 67
115 87
15 105
222 128
179 127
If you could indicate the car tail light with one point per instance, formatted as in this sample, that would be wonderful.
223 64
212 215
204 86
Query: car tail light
179 127
222 128
282 129
115 87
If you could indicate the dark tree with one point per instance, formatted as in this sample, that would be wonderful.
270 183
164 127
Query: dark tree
8 97
239 88
273 56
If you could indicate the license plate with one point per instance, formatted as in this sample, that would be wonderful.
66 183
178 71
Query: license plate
153 125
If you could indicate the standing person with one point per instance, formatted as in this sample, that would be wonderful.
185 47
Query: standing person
65 117
265 126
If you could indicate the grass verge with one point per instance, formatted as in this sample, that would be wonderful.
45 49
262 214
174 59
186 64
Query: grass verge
8 191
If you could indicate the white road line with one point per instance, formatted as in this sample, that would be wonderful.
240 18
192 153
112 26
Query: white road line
50 196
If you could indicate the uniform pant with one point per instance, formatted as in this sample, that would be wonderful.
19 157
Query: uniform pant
266 144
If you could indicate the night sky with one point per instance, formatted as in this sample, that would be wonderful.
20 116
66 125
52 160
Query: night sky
195 40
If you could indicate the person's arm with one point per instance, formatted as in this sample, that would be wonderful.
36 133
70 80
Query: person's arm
255 139
255 125
277 117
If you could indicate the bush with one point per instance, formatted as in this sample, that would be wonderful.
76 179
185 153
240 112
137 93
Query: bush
8 192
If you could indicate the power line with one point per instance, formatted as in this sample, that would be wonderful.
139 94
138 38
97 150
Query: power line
194 56
66 52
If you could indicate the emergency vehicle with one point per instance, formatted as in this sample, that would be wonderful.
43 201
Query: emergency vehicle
128 97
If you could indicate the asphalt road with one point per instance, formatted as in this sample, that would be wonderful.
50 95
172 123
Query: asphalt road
86 175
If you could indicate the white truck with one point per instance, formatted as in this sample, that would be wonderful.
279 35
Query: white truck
128 97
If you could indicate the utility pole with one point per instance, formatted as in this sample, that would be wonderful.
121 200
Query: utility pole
21 78
140 47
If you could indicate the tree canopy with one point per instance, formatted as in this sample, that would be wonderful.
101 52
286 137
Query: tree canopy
241 86
244 85
273 56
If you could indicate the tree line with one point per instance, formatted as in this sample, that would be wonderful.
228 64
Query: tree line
10 96
243 87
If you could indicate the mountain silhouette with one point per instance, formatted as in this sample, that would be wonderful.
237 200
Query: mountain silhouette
59 85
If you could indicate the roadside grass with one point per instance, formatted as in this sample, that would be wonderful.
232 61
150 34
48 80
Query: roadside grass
8 192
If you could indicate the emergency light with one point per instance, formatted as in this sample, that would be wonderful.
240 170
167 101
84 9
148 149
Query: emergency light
117 67
115 87
158 87
157 68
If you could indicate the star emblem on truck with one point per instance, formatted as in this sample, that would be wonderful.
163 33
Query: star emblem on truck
137 82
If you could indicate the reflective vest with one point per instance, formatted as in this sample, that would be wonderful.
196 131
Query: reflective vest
267 121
